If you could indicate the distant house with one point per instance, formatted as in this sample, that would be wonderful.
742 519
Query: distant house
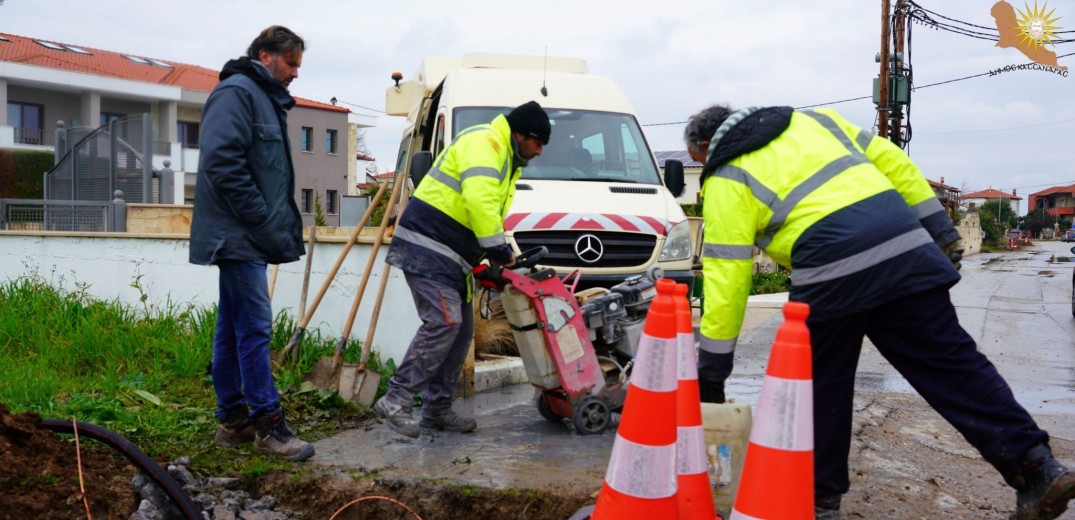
972 201
44 82
1058 201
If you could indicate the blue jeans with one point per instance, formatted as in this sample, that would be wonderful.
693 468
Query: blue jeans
242 372
440 347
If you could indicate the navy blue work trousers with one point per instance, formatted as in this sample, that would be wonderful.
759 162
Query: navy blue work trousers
921 337
438 350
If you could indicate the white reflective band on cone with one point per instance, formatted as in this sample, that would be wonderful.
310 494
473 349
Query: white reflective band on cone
687 362
690 450
736 515
655 364
788 406
642 471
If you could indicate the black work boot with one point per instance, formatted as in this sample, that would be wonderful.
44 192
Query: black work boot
276 437
1043 486
827 508
236 429
711 393
449 421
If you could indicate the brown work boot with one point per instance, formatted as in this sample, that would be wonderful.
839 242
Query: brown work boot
276 437
449 421
236 429
1043 486
399 418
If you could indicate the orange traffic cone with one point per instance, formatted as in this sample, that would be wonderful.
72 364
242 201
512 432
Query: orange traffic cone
778 474
641 478
695 494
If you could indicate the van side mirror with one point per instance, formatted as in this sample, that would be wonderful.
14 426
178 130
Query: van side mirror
420 165
673 177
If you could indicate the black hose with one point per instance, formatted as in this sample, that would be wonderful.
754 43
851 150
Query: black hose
138 457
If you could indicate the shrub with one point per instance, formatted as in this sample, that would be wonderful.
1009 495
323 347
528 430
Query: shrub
21 173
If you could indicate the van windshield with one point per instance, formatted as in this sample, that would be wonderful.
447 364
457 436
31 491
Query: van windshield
584 146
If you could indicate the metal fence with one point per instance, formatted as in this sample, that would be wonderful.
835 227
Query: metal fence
92 166
66 215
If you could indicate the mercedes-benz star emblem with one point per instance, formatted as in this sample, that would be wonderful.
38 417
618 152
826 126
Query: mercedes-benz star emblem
589 248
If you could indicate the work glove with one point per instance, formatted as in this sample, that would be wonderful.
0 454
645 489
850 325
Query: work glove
486 277
954 251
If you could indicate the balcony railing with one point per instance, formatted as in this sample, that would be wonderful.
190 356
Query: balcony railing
36 136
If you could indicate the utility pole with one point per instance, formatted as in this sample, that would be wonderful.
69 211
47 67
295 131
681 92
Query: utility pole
897 79
882 99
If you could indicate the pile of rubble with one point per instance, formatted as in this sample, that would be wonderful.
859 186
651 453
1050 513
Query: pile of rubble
219 498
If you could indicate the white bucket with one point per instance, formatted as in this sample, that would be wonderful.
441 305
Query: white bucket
727 434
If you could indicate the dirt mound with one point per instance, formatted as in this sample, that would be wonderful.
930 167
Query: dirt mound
40 474
323 495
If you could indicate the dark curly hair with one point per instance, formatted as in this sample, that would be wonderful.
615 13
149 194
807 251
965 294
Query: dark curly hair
701 126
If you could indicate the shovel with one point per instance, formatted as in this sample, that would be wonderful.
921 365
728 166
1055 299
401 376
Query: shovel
360 384
286 353
306 273
327 371
272 279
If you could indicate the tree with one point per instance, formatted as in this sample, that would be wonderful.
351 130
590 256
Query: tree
319 212
995 217
1038 219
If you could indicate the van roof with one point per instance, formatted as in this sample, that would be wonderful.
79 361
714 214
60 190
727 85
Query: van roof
511 87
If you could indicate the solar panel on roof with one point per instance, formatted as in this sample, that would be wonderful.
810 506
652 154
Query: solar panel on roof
79 51
136 59
50 45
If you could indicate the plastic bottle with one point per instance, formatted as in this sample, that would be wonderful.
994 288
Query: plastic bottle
727 434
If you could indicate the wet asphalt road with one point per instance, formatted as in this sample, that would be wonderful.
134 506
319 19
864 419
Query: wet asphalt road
1016 305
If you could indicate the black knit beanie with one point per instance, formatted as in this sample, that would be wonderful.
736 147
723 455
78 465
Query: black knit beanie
530 120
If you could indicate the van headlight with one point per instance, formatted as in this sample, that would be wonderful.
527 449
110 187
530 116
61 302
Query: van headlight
677 245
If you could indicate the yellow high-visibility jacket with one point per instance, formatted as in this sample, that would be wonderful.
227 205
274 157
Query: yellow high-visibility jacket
457 213
848 213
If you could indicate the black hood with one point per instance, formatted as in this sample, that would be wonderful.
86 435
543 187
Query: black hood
751 133
257 72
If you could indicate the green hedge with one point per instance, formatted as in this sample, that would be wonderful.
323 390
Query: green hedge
21 173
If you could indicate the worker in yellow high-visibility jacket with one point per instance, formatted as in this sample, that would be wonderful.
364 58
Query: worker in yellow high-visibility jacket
873 253
454 221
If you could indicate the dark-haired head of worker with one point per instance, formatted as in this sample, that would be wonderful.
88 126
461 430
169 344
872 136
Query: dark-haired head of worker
530 129
280 50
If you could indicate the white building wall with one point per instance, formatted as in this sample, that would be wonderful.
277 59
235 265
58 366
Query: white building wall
109 265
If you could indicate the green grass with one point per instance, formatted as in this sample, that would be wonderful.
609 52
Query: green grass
768 283
143 372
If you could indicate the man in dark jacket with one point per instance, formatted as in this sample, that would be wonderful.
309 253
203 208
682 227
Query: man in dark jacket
245 217
873 253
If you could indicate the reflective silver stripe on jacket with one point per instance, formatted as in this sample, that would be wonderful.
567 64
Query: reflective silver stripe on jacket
927 207
446 180
728 252
759 190
717 346
432 245
857 262
863 139
492 241
480 171
782 209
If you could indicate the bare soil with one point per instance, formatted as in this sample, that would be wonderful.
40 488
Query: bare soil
906 462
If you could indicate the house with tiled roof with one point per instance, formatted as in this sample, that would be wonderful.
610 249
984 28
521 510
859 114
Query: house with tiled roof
49 88
971 201
1058 201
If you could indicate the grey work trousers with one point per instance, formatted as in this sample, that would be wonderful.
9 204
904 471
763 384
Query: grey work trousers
438 350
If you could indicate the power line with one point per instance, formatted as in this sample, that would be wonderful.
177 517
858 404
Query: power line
870 97
334 101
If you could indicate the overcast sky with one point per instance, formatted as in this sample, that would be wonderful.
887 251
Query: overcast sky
672 58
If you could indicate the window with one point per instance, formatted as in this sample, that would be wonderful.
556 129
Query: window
108 117
330 141
187 134
50 45
330 201
28 120
306 138
307 201
79 50
136 59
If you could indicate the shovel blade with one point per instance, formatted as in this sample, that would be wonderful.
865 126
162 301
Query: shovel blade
357 385
323 375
